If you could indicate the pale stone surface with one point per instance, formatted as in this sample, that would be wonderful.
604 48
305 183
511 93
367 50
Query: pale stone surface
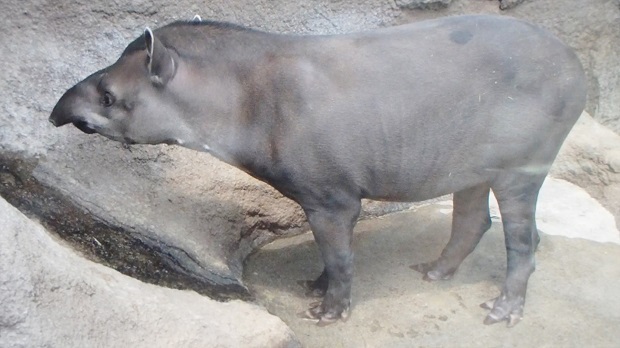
52 297
563 209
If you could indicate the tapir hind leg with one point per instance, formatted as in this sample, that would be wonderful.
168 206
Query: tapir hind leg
333 231
516 193
470 220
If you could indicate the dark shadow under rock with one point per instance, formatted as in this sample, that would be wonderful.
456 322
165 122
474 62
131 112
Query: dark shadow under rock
508 4
423 4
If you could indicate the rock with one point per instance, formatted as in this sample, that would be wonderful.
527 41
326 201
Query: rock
590 158
52 297
177 198
565 209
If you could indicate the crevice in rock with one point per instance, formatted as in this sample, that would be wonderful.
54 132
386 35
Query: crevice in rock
508 4
128 252
431 5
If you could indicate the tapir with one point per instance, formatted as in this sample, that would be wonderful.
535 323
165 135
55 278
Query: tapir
461 105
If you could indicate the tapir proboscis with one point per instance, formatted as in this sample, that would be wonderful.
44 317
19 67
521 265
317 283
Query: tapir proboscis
459 105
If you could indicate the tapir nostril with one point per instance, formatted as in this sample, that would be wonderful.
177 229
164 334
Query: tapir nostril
60 118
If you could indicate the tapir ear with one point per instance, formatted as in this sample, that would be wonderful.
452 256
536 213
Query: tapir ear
160 62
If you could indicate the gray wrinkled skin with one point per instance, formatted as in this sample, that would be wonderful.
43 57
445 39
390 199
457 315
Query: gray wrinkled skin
457 105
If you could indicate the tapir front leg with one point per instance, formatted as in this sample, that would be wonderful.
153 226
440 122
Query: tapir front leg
333 229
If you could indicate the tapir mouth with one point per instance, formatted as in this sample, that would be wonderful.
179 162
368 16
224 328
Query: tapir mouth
84 127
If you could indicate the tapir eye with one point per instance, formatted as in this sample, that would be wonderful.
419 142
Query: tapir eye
107 99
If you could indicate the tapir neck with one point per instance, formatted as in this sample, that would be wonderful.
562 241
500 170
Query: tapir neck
217 114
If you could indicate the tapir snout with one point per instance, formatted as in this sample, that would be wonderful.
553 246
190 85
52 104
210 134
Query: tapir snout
67 110
63 111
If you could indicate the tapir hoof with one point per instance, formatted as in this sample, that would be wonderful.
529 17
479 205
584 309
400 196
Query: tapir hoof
432 271
503 309
323 317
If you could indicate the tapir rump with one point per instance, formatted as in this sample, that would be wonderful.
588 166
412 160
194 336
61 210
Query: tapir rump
456 105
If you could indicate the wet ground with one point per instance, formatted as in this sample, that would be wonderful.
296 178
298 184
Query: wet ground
572 297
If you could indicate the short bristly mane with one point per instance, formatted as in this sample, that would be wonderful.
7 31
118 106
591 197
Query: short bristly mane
211 24
213 27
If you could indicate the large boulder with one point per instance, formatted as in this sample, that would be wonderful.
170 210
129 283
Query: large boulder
52 297
590 158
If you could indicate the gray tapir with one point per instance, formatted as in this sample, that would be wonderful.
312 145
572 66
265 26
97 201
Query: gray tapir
455 105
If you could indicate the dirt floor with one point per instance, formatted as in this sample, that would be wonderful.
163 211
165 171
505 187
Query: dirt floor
572 298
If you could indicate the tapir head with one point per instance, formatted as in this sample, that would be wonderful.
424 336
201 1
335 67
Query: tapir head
128 101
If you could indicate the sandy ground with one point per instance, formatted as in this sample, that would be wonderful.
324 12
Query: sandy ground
572 297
